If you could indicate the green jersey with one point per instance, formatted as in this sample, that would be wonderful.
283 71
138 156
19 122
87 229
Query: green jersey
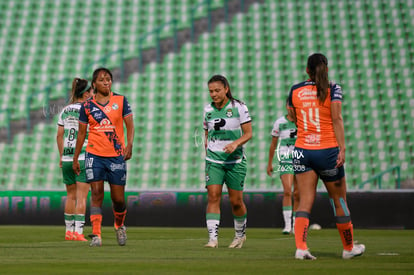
69 120
286 132
224 127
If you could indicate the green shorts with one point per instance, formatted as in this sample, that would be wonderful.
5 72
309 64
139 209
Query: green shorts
232 175
285 167
69 177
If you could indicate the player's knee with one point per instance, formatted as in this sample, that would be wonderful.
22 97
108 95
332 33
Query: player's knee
97 194
296 195
287 193
236 203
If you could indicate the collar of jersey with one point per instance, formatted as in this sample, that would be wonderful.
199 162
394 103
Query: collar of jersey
100 103
214 106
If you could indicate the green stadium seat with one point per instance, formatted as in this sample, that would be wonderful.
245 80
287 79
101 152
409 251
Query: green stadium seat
262 52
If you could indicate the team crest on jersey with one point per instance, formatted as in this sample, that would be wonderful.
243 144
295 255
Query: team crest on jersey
115 106
229 113
107 109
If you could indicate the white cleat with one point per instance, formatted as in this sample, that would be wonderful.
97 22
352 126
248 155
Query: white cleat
304 255
238 242
96 241
357 250
121 236
211 244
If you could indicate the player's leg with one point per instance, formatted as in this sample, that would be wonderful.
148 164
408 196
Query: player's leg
82 190
119 210
307 182
70 211
334 180
337 194
95 176
214 184
70 204
295 202
116 176
97 196
234 179
287 182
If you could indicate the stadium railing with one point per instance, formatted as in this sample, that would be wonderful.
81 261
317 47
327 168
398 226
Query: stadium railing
103 61
157 32
378 178
210 7
47 92
5 113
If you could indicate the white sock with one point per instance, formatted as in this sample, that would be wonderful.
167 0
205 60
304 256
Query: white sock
287 215
69 222
240 226
212 227
79 223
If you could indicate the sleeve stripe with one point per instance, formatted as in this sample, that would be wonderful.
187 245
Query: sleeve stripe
245 122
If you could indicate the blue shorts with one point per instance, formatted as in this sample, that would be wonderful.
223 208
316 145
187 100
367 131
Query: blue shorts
321 161
110 169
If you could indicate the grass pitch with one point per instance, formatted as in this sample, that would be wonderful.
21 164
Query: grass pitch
149 250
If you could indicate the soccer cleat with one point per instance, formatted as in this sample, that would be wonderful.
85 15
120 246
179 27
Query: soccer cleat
357 250
238 242
286 231
96 240
212 244
69 235
79 237
121 235
304 255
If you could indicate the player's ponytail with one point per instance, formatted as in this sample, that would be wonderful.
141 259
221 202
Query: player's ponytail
79 86
318 72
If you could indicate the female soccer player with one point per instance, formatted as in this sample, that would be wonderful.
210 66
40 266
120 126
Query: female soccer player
283 142
315 105
227 126
106 153
76 187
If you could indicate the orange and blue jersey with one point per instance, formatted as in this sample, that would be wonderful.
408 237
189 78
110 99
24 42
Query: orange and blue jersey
106 128
313 119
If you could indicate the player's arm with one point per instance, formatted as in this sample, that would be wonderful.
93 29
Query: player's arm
292 113
290 107
272 150
59 142
338 127
129 123
79 144
247 135
205 139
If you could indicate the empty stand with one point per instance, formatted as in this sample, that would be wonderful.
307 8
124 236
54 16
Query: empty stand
262 52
